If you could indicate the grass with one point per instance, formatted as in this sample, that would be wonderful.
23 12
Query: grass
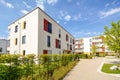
106 69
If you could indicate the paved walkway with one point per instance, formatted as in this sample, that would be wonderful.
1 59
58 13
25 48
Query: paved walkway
87 69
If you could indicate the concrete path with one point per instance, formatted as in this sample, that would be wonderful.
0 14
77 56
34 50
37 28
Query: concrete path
87 69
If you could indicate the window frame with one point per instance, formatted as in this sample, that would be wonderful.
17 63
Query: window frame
16 29
24 39
1 49
48 41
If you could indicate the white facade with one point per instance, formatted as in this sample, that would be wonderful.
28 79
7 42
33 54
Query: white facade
83 45
3 46
29 34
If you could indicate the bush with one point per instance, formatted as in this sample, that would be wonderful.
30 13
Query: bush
16 67
85 56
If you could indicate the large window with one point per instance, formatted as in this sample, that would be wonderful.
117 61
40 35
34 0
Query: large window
0 49
16 41
47 26
59 33
67 37
70 47
23 39
24 25
45 51
48 41
16 28
24 52
58 43
71 40
67 46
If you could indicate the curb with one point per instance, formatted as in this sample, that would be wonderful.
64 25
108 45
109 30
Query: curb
100 67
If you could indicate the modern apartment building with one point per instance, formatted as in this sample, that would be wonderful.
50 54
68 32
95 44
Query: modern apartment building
38 33
84 45
3 46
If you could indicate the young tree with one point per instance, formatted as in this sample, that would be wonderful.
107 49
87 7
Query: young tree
112 37
94 49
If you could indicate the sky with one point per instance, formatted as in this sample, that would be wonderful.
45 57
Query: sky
82 18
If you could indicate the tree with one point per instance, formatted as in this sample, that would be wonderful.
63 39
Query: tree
94 49
112 37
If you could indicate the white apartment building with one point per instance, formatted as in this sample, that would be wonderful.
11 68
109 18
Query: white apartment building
38 33
3 46
98 41
84 45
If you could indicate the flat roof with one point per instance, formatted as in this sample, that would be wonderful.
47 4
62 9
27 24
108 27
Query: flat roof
46 14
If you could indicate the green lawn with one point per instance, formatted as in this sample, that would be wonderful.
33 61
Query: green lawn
106 69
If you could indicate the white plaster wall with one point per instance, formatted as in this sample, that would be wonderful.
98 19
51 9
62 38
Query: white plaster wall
31 33
86 44
55 35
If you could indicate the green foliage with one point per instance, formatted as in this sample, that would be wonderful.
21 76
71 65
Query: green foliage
112 36
16 67
94 50
85 56
62 71
106 69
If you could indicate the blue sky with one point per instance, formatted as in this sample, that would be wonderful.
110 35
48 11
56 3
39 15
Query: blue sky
82 18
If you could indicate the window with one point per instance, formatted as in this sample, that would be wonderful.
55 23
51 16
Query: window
16 28
71 40
58 43
70 47
49 51
45 51
23 52
24 25
59 33
59 52
16 41
67 37
48 41
47 26
23 39
0 49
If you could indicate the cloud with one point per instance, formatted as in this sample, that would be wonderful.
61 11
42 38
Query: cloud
64 15
76 17
52 2
28 6
67 17
7 4
58 21
114 2
86 33
40 3
106 5
109 12
24 11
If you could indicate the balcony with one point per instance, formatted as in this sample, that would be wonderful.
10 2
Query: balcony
97 40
